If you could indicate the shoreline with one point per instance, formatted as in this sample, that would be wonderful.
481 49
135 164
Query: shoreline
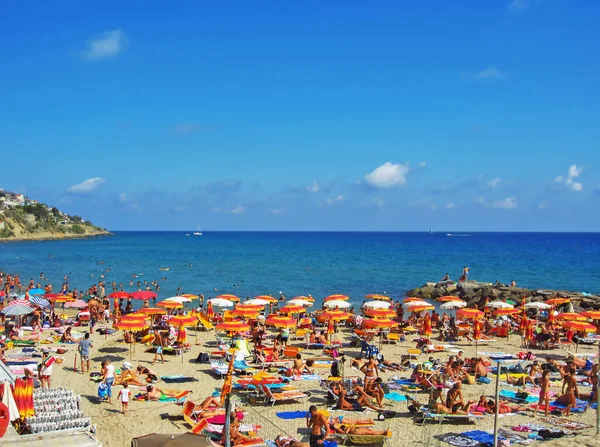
36 238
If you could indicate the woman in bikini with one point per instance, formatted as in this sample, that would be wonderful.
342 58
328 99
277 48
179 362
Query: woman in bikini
370 370
569 397
544 383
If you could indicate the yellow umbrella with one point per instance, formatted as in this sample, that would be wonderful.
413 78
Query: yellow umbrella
233 326
229 297
380 313
268 298
280 321
592 314
379 323
336 297
292 309
335 315
580 326
377 297
170 304
570 316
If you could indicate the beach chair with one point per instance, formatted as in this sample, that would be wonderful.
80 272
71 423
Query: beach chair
366 349
441 417
392 337
413 353
272 397
362 439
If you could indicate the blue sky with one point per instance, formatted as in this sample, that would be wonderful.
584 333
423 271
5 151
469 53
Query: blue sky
270 115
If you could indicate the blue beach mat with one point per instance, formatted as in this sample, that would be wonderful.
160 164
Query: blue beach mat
481 436
509 394
291 414
395 397
404 382
579 408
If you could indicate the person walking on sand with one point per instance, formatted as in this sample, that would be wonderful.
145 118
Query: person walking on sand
124 396
108 378
159 341
84 351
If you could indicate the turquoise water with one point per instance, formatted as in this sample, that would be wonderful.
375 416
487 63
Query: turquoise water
252 263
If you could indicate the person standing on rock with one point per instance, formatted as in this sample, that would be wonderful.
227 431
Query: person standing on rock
465 274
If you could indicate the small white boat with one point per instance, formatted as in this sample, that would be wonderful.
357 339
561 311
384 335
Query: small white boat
198 233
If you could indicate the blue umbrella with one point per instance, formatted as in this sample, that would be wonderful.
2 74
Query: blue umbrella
36 292
39 301
17 309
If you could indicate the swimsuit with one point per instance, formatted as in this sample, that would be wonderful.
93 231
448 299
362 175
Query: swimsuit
314 440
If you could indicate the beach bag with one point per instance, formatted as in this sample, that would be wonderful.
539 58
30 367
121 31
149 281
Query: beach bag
470 380
335 370
102 391
523 395
203 357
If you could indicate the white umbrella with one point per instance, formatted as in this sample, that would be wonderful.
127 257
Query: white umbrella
377 305
340 304
179 299
538 305
499 305
453 305
417 303
255 302
221 302
300 302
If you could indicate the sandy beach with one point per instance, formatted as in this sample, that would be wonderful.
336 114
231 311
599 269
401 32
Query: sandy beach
115 429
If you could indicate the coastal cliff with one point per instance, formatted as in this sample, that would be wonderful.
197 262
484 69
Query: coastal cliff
476 293
22 219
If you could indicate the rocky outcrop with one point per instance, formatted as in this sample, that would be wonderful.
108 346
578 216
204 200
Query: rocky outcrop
474 292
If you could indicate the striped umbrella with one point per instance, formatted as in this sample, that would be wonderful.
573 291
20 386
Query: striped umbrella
580 326
39 301
132 324
268 298
558 301
379 323
246 311
335 315
411 299
255 302
152 311
305 298
592 314
170 304
421 308
119 295
570 316
336 297
233 326
280 321
61 299
380 313
506 311
183 320
77 304
291 309
191 296
378 297
447 298
228 297
17 309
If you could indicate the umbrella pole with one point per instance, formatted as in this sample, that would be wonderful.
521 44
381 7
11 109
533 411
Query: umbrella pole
496 410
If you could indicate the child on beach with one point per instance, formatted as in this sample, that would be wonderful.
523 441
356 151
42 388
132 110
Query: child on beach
124 395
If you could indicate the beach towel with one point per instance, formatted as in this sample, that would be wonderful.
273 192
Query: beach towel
308 377
512 395
480 436
458 440
565 423
142 398
397 397
291 414
580 407
178 379
404 382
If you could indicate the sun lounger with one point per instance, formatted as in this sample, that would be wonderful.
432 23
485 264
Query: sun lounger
440 417
272 396
362 439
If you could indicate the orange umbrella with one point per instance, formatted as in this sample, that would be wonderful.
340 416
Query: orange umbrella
143 295
524 320
330 327
412 299
209 310
268 298
448 298
420 308
229 297
570 316
426 331
152 311
506 311
191 296
529 330
233 326
551 316
183 320
305 298
280 321
379 323
468 312
292 309
121 295
377 297
380 313
133 325
336 297
580 326
477 328
592 314
245 311
61 299
335 315
170 304
558 301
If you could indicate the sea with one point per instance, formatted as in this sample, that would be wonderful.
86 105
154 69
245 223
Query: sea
317 263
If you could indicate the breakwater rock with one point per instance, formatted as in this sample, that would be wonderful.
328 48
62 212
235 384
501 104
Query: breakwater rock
476 293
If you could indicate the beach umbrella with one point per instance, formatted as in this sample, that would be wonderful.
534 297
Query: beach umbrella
335 315
305 298
209 311
426 330
453 305
77 304
14 310
378 297
412 299
448 298
256 302
228 297
280 321
558 301
220 302
119 295
417 303
291 309
33 292
377 305
143 295
179 299
336 297
39 301
233 326
152 311
191 296
380 313
421 308
170 305
246 311
592 314
469 313
570 316
268 298
499 305
130 324
337 304
506 311
537 305
379 323
301 302
183 320
580 326
61 299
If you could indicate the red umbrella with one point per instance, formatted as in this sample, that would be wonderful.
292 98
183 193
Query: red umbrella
120 295
143 295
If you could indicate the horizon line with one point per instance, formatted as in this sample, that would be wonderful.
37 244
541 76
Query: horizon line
364 231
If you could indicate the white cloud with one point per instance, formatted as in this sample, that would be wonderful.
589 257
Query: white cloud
569 180
122 197
278 211
106 45
518 5
450 205
86 186
508 203
313 187
239 209
486 74
494 182
334 200
388 175
422 164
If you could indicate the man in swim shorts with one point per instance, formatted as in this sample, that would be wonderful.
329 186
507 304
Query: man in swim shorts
319 429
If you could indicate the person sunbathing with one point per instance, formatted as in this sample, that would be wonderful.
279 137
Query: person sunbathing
128 376
358 404
285 441
151 376
375 390
67 337
480 369
300 366
153 393
455 400
504 407
354 430
209 404
236 437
